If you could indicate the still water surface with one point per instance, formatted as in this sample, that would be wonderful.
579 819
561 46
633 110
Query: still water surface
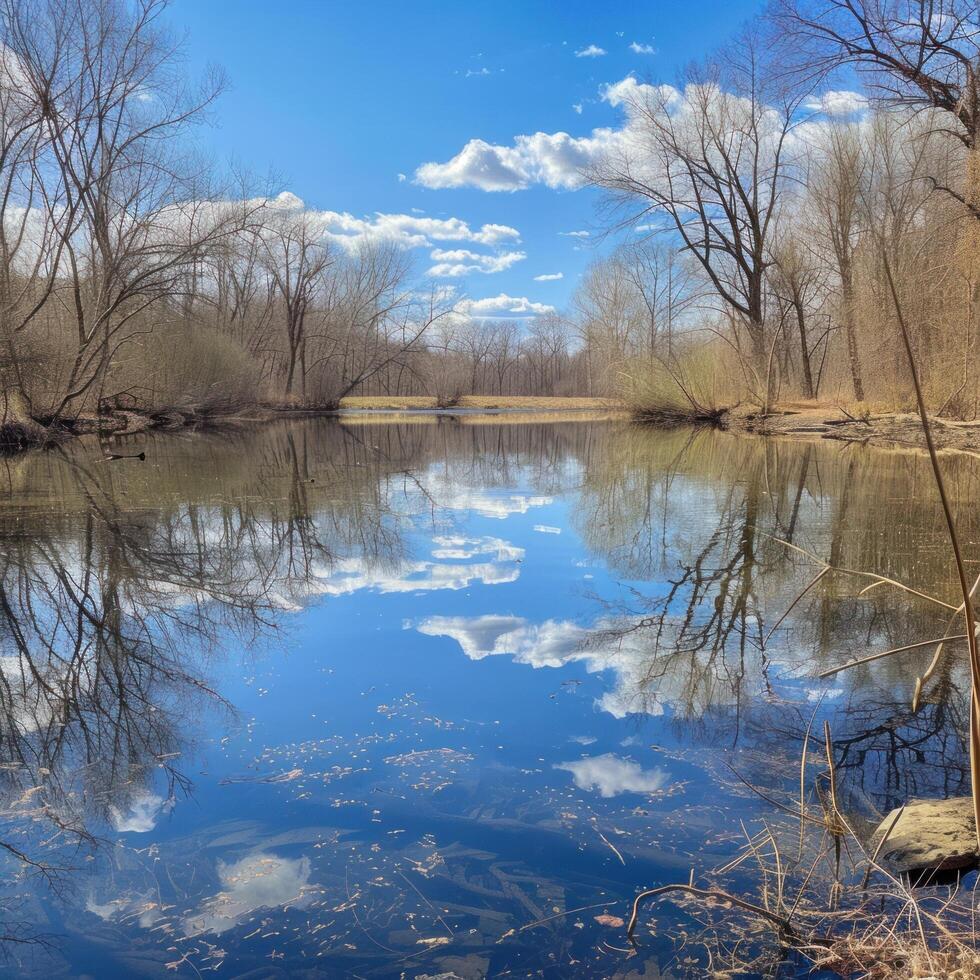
370 699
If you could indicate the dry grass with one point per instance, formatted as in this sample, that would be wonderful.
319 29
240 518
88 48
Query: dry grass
522 417
388 402
821 898
401 403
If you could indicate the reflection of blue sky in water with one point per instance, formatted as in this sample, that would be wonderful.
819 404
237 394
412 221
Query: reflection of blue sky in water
437 750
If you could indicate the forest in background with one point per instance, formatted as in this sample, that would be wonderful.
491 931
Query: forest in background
758 218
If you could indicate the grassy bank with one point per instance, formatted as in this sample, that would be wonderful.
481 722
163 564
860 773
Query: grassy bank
18 437
546 403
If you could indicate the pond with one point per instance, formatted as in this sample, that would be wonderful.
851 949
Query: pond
436 697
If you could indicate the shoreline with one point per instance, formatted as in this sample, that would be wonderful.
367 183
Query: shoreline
21 437
883 430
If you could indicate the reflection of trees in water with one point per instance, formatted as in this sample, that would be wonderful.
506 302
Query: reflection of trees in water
119 584
702 515
888 754
115 595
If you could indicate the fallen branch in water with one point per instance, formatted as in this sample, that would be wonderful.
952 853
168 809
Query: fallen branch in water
712 894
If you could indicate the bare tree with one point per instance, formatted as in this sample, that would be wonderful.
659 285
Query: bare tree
796 282
296 259
712 158
135 215
917 53
837 174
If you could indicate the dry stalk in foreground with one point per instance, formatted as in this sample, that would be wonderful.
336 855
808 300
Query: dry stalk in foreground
822 905
817 895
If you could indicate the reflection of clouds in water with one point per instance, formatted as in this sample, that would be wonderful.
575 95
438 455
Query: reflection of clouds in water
458 547
354 575
29 705
611 775
451 496
348 575
551 644
255 882
144 907
644 684
547 529
145 809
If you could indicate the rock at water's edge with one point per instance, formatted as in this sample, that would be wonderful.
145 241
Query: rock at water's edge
930 835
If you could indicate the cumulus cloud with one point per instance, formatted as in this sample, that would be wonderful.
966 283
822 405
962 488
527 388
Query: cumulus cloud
407 230
611 775
492 306
591 51
574 234
840 102
556 160
478 636
459 547
607 646
638 48
450 263
549 277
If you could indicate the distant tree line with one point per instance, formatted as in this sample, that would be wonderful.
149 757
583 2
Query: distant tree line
755 209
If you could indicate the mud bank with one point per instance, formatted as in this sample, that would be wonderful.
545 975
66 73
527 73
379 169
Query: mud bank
894 429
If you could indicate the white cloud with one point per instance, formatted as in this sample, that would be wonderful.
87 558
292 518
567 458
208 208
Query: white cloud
144 811
574 234
462 262
642 682
592 51
839 102
473 72
407 230
547 529
492 306
478 637
638 48
144 907
556 160
550 277
259 881
611 775
577 106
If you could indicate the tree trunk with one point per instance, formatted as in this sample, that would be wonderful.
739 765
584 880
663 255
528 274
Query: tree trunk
853 354
17 429
804 351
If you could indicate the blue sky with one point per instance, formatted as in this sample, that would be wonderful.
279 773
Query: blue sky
340 98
